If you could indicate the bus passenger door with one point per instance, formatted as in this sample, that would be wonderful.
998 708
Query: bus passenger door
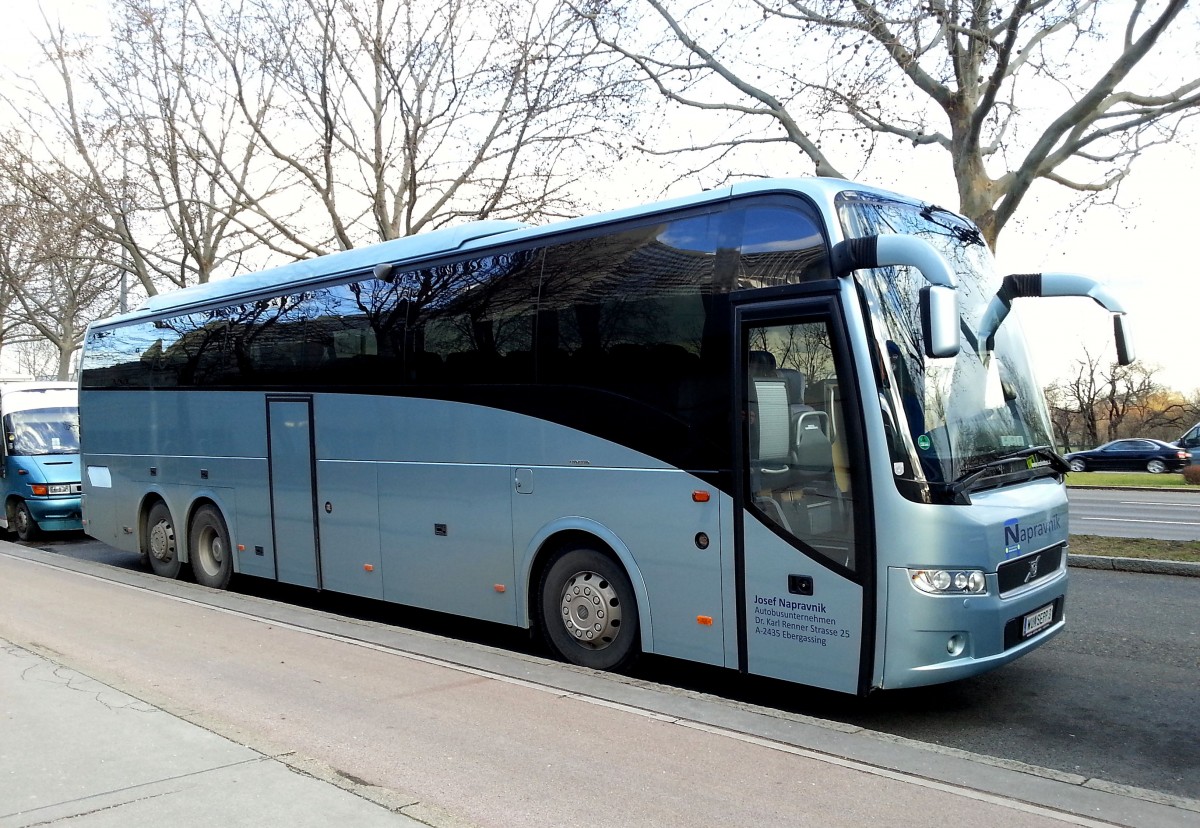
801 556
293 513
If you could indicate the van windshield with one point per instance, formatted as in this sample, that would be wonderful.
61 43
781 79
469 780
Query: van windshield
42 431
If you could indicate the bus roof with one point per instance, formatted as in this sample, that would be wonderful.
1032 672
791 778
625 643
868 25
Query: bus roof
476 235
27 396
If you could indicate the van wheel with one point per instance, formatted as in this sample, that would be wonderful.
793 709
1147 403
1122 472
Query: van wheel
586 609
158 542
211 555
26 527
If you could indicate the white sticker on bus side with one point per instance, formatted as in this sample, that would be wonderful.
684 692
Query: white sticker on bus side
99 477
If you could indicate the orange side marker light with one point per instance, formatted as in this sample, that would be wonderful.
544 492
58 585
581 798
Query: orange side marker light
499 587
700 496
369 567
704 620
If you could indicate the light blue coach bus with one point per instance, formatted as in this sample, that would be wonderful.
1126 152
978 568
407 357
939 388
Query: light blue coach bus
786 427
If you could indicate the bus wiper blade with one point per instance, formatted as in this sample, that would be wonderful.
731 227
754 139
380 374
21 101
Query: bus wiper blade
1049 459
964 234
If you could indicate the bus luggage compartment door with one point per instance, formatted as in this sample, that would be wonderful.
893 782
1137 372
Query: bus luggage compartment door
293 517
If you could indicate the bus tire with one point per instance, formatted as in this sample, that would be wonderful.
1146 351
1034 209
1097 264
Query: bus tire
210 552
587 611
24 525
159 543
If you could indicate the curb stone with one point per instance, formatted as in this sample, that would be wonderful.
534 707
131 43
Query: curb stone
1145 565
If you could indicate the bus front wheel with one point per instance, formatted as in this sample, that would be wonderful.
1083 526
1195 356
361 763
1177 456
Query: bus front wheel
24 524
211 556
159 543
587 611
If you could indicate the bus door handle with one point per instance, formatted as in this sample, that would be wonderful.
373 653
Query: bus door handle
523 481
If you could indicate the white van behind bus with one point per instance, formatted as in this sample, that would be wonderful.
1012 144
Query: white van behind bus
39 475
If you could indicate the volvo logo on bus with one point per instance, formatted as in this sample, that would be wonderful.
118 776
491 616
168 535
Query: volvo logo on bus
1033 567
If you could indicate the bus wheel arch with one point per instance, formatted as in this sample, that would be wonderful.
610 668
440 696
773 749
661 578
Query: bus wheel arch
210 551
160 538
584 603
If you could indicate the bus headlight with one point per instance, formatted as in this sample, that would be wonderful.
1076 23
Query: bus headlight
949 581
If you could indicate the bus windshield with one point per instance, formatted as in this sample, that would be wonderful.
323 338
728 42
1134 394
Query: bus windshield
42 431
971 421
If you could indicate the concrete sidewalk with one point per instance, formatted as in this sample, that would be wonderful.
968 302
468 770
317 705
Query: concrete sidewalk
76 752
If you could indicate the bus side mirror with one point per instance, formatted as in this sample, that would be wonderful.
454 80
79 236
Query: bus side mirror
939 321
1056 284
939 299
1126 353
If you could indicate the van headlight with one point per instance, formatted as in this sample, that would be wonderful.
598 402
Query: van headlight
949 581
41 489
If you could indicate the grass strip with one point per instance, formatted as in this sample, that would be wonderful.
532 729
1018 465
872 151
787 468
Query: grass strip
1149 548
1139 480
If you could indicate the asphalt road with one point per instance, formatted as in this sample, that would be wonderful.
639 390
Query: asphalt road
1151 513
1114 697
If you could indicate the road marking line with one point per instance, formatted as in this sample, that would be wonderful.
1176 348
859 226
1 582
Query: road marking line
1156 503
1139 520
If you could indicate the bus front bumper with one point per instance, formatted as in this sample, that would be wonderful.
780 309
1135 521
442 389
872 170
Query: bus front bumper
932 639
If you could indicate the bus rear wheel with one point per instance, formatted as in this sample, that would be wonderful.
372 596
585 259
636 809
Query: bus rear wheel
159 543
587 611
211 556
25 526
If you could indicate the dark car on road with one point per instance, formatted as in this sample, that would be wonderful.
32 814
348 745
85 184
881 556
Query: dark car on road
1153 456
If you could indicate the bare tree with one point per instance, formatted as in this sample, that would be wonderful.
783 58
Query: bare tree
64 134
67 290
1123 398
389 117
1015 93
145 126
15 250
54 272
1078 397
1164 415
1129 390
214 136
165 91
1063 417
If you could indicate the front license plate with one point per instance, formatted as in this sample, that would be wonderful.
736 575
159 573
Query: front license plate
1038 620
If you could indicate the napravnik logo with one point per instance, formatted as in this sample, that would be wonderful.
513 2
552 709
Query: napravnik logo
1015 534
